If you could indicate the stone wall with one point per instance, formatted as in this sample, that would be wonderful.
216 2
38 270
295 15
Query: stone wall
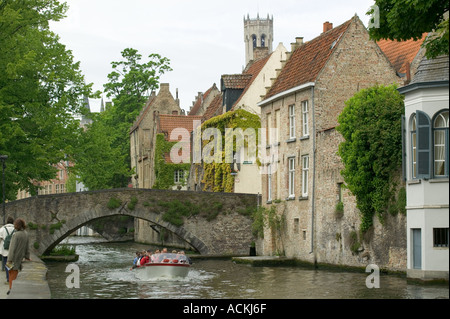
313 231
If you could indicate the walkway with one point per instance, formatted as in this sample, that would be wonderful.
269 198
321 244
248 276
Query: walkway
31 283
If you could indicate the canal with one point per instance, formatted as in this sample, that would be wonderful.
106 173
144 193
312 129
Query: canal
105 274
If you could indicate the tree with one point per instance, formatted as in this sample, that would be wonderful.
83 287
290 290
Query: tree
98 164
405 19
41 88
371 126
103 158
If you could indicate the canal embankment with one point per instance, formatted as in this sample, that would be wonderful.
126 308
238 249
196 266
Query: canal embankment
31 282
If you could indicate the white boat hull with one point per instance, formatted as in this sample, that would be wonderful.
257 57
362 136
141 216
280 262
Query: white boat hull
154 271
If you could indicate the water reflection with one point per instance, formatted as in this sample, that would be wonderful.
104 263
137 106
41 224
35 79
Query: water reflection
104 272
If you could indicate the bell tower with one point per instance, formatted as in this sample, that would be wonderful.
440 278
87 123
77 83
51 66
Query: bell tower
258 33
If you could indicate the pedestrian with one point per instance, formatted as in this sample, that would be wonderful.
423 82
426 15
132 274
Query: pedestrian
18 250
5 233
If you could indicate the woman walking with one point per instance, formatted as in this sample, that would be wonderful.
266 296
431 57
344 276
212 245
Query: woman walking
18 250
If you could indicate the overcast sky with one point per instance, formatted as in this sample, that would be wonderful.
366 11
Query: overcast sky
203 38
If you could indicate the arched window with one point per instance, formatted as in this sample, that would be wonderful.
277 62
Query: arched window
440 144
255 44
413 126
263 40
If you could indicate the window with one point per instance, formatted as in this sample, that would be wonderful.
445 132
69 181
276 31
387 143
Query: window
263 40
423 150
292 121
296 226
429 145
305 112
254 41
440 133
269 127
178 176
277 126
269 182
414 146
341 192
440 237
291 177
305 172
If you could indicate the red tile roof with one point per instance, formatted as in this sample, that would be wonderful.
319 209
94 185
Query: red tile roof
167 123
401 53
308 60
236 81
215 108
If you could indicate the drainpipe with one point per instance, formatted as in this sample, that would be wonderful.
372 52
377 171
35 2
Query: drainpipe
314 174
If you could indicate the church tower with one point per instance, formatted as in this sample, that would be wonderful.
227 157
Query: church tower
258 33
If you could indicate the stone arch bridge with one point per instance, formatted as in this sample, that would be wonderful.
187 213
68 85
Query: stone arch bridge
212 223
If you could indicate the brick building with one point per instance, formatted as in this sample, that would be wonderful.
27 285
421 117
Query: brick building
305 184
53 186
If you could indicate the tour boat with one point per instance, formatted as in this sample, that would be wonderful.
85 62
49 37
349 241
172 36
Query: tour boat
164 266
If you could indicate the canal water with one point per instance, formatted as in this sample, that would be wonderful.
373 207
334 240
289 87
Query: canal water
105 274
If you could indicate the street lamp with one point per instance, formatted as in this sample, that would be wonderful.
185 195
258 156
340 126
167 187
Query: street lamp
3 158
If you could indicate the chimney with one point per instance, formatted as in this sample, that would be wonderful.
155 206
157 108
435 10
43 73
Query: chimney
327 26
408 73
298 43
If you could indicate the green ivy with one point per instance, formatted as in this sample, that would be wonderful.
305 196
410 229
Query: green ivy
266 217
176 211
217 176
371 126
132 204
114 203
165 171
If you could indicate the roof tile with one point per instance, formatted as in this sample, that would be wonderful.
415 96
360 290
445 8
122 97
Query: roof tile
401 53
308 60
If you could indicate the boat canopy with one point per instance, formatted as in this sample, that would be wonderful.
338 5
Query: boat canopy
169 258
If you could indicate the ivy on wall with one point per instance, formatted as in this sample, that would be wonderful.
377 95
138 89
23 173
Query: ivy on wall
371 126
165 171
217 176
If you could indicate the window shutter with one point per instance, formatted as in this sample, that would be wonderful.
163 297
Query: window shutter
423 145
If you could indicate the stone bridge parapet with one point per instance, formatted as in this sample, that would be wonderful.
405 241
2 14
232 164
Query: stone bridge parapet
212 223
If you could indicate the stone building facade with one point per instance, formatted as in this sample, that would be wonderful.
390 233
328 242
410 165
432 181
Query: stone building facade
143 135
305 185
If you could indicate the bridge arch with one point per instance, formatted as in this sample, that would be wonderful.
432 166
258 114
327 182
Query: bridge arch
51 218
49 242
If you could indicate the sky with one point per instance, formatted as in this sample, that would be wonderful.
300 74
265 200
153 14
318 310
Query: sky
202 38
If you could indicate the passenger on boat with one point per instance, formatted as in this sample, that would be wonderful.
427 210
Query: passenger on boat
184 259
136 260
146 258
138 255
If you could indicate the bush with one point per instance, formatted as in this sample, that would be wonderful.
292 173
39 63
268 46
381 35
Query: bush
371 126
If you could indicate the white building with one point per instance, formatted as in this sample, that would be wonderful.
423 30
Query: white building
426 165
